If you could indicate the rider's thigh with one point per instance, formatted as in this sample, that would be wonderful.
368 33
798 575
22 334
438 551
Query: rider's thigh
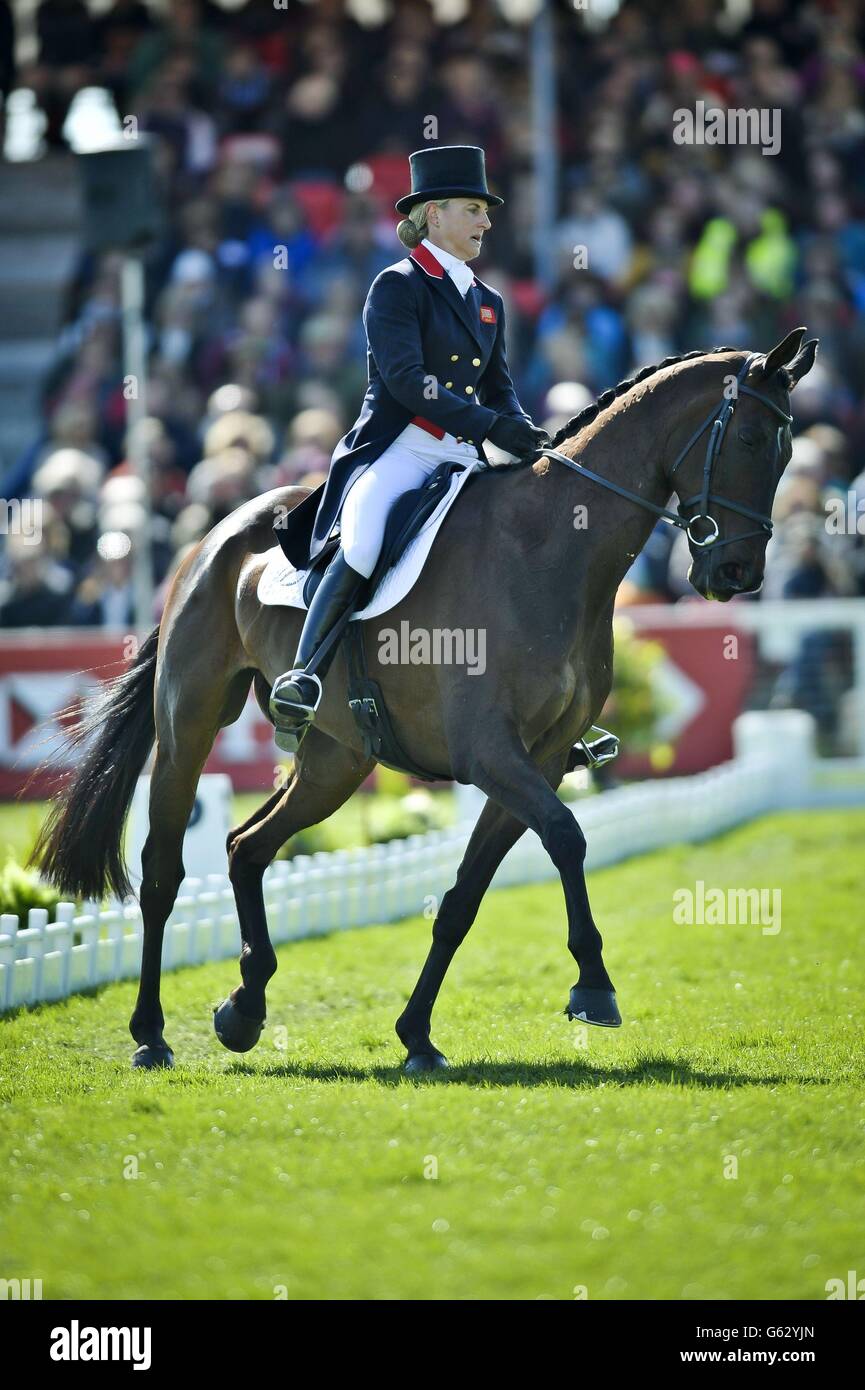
367 505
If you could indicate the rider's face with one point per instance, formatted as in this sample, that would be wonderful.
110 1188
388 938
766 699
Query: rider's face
459 227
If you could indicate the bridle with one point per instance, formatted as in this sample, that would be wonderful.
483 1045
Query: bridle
716 423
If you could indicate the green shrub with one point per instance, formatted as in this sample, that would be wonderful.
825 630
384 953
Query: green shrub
411 815
374 819
21 889
310 841
635 704
633 709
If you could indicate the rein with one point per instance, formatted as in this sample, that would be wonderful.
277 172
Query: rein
716 423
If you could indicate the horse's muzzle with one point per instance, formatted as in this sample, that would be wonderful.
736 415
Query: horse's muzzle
722 579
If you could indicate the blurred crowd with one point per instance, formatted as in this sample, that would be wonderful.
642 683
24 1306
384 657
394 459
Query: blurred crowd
281 136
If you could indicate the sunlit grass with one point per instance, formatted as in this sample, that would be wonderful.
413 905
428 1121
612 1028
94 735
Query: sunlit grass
538 1166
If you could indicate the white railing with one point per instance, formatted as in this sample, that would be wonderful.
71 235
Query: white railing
774 769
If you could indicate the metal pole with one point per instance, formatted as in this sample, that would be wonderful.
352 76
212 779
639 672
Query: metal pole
135 384
859 686
544 142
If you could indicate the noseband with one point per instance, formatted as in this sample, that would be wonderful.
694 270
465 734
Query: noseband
716 423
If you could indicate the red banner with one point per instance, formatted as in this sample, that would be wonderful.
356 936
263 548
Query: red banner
704 682
45 672
705 678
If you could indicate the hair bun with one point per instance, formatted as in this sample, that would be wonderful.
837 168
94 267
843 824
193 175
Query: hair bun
408 233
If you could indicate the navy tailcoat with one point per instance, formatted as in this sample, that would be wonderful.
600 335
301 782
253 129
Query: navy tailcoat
432 356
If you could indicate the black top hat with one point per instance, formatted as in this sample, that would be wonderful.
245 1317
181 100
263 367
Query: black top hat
447 171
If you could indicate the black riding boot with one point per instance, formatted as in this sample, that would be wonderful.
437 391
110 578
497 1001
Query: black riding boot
295 695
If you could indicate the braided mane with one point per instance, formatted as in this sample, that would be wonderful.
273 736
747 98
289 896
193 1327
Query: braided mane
606 398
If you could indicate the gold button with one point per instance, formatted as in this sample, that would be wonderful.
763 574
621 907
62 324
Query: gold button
469 390
459 439
455 358
448 384
476 361
470 441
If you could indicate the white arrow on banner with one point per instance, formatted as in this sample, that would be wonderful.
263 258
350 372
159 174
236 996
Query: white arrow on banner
41 695
684 698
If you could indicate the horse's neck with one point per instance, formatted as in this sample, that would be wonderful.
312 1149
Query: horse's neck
589 529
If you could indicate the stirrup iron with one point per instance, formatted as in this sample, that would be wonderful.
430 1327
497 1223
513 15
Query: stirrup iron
600 750
291 721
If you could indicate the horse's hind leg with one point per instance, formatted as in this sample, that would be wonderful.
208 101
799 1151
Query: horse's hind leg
186 729
172 795
325 776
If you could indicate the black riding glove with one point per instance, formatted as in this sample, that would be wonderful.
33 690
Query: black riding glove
517 436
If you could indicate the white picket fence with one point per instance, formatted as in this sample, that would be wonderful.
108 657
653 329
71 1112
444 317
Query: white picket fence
774 768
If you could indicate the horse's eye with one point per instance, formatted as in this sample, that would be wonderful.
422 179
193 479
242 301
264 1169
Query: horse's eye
748 436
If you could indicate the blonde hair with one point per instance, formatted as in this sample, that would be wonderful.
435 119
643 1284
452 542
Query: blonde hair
412 229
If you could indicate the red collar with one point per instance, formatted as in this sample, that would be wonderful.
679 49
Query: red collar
428 262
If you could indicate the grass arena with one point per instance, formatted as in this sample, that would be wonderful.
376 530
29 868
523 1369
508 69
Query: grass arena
712 1148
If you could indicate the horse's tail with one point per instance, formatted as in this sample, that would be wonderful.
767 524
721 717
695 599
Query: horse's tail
80 845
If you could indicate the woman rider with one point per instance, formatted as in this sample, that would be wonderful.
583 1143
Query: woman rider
439 385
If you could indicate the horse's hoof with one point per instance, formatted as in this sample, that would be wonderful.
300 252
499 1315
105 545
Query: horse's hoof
597 1006
424 1063
152 1058
234 1030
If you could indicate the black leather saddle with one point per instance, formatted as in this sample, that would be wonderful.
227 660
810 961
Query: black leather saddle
406 518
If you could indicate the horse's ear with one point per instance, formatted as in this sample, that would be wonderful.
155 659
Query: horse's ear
803 361
782 354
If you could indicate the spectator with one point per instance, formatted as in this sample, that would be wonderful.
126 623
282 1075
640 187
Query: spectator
36 591
105 596
278 136
69 479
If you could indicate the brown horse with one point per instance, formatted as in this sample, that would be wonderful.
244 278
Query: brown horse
511 562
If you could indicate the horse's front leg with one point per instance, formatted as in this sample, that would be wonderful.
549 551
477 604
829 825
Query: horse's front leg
503 769
496 832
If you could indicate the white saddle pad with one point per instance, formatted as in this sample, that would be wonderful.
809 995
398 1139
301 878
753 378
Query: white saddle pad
281 585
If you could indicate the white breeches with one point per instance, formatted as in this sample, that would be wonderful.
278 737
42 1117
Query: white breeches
404 465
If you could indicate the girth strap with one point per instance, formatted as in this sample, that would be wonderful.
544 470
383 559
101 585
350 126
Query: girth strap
366 703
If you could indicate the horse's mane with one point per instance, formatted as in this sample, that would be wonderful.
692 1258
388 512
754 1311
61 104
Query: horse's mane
606 398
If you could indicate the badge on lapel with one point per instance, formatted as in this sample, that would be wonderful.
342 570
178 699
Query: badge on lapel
488 313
